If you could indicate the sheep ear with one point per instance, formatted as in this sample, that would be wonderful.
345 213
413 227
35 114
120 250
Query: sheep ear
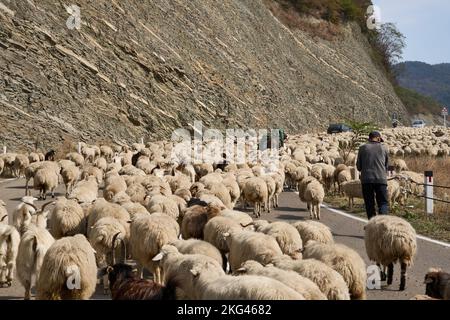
241 269
194 272
158 257
428 280
109 269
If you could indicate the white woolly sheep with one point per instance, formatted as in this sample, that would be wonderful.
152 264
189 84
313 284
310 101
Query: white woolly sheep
352 189
76 158
163 204
314 195
255 192
201 277
248 245
68 260
389 239
302 285
329 281
285 234
9 244
344 260
45 180
32 248
148 234
195 246
85 191
67 218
70 174
20 163
313 230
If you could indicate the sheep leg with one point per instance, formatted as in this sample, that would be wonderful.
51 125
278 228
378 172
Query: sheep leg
403 277
157 275
27 286
318 211
390 273
224 261
26 187
382 272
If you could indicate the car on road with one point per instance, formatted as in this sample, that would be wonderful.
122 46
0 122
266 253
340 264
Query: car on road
418 124
337 128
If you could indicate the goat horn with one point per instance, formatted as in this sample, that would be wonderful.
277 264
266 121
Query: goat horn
124 249
31 205
245 226
4 217
114 247
46 204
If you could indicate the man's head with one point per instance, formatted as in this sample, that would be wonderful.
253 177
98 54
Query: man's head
375 136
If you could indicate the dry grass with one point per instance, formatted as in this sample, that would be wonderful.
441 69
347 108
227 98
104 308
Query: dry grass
67 146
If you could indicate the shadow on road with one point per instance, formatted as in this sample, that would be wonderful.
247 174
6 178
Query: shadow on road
288 209
290 217
348 236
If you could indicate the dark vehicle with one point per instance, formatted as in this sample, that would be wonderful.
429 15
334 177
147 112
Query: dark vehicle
337 128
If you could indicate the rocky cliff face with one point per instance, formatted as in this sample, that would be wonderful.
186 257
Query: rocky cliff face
142 68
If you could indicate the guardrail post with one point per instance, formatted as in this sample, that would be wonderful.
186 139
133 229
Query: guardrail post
429 192
4 149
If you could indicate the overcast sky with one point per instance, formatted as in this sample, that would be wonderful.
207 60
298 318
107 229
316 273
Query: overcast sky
426 25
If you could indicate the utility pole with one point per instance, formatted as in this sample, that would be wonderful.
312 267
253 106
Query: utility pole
445 114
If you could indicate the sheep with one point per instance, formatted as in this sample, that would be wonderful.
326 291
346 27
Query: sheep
314 195
343 176
32 248
162 204
33 157
4 218
302 285
68 271
313 230
148 234
329 281
9 244
45 179
88 154
76 158
271 188
101 164
248 287
124 284
214 231
248 245
437 284
344 260
179 181
195 218
23 211
91 171
279 182
233 188
255 192
285 234
238 216
67 218
85 191
20 163
389 239
70 174
399 165
395 193
114 184
195 246
31 170
201 277
101 209
220 191
106 152
352 189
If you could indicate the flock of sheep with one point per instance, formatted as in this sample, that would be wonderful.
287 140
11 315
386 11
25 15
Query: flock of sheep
180 222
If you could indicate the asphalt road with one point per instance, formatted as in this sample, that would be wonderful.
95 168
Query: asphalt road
345 230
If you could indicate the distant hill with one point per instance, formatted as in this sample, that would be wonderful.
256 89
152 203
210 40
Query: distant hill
429 80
